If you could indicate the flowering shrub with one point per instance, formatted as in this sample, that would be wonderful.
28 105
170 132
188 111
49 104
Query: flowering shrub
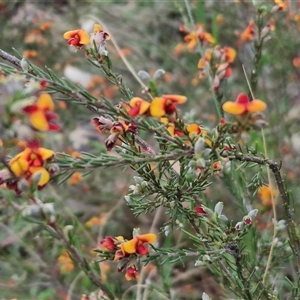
199 192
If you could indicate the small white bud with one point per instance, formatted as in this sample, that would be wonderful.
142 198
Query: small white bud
138 179
219 208
127 199
205 296
145 76
252 214
24 65
167 230
199 146
159 74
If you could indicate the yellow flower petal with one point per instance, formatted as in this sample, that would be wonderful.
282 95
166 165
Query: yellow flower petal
256 106
97 27
209 38
45 102
149 238
233 108
135 101
129 247
69 34
157 107
19 167
39 120
193 129
176 98
45 176
144 107
201 63
230 54
45 153
84 37
164 120
171 130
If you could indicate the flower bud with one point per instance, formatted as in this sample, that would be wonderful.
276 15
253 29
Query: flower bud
252 213
138 179
145 76
53 168
167 230
144 184
200 163
127 199
48 209
239 226
18 106
206 153
67 231
219 208
24 65
199 146
23 185
158 74
205 296
281 225
35 178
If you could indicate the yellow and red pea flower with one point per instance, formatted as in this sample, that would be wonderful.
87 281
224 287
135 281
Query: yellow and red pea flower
108 244
138 106
199 33
248 34
243 105
77 38
132 273
31 161
138 244
165 105
171 127
41 114
193 129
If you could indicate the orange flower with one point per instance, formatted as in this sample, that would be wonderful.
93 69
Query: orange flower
171 127
161 106
242 105
132 273
29 53
199 33
221 58
66 263
31 161
41 114
296 62
248 34
283 5
96 221
138 106
265 194
77 38
138 244
75 178
193 129
46 26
